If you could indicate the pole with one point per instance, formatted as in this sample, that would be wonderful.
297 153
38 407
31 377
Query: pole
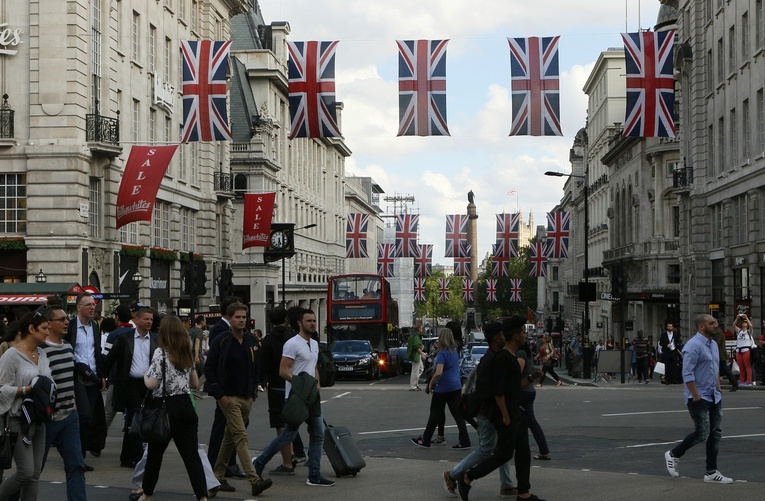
284 298
586 338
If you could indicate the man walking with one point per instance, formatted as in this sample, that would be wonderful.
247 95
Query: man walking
301 354
130 358
85 337
669 343
232 378
701 363
414 353
63 431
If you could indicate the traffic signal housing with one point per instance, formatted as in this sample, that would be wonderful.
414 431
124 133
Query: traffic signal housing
200 278
618 283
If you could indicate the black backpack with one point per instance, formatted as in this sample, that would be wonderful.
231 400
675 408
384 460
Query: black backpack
327 368
471 400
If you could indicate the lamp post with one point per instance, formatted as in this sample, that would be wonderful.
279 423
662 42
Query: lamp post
284 255
137 278
586 337
41 278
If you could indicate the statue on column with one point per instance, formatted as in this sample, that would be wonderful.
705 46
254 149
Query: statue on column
471 197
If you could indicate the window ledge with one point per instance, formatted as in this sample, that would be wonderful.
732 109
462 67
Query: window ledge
720 86
731 76
135 63
744 66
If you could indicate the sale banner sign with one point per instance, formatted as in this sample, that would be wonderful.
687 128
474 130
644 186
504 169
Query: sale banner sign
258 213
146 166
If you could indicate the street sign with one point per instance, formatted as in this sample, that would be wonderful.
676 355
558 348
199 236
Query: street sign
112 295
93 291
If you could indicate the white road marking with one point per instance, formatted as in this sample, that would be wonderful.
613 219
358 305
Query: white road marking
726 409
676 441
342 394
399 430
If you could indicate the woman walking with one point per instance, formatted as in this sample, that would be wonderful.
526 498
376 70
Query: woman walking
170 375
19 366
528 395
446 388
549 356
744 343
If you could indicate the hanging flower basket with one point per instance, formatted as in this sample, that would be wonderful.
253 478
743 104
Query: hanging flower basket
163 254
184 257
133 251
13 243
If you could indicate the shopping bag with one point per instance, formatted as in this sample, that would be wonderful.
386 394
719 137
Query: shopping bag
659 369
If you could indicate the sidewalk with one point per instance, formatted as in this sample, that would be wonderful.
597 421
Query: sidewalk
656 381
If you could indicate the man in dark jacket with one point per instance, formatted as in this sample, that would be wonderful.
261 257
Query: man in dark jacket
129 359
232 378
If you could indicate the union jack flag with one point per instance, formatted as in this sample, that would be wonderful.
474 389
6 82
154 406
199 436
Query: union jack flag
312 89
650 84
538 260
535 83
456 233
558 230
467 289
491 289
499 262
419 289
406 235
515 290
507 233
205 64
422 87
462 262
385 260
443 289
423 261
356 235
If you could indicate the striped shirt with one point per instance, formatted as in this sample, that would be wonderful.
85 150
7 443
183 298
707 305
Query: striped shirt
61 360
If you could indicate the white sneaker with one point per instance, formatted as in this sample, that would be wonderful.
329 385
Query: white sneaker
716 478
672 466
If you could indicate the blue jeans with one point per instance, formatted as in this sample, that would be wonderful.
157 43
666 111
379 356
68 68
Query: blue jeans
487 441
315 445
707 419
65 435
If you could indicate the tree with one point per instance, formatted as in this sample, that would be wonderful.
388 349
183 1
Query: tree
517 267
453 308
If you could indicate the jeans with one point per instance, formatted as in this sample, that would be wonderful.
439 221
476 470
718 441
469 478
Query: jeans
512 439
527 402
65 436
487 442
707 420
28 459
315 445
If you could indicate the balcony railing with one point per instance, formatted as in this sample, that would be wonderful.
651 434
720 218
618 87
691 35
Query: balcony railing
101 129
682 178
6 119
223 182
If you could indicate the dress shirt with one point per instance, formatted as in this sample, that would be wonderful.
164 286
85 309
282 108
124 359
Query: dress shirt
84 350
141 356
701 364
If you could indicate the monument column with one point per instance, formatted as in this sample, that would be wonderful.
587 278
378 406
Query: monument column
472 232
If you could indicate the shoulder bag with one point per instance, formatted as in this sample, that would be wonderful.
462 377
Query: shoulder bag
150 422
7 445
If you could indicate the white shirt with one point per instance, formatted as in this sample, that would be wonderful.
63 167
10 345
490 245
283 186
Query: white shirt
671 343
141 356
85 350
743 340
305 355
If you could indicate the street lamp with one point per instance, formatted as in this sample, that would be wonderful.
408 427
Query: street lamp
41 278
137 278
284 255
586 337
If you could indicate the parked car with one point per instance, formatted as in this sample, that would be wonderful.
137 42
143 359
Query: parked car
477 351
355 358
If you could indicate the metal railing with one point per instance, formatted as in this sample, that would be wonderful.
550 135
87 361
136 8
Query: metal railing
102 129
223 181
6 119
682 178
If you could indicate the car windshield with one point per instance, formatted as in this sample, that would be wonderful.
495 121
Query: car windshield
350 347
478 350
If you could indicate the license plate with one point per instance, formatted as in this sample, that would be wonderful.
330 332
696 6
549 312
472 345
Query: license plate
344 368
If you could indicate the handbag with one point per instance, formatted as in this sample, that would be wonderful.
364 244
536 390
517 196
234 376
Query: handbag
8 440
150 423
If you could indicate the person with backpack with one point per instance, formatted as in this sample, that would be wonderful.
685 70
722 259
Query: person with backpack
414 353
487 433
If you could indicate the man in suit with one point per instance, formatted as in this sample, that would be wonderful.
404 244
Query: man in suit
130 358
671 355
85 337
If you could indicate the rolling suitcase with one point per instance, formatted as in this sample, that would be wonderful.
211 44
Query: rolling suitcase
343 453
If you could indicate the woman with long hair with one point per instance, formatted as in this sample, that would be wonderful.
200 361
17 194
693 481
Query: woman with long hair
19 366
446 388
548 354
744 343
171 376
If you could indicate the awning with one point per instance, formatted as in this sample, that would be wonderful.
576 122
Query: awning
34 293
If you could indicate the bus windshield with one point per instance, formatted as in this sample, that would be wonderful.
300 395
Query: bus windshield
356 287
374 333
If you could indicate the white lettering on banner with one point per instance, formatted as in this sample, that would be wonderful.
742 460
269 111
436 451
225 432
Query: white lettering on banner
158 283
9 38
139 206
164 94
260 237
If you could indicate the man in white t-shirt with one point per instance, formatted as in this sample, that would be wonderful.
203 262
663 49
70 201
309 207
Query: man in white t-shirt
300 354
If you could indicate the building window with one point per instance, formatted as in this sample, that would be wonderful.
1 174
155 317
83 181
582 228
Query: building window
733 139
717 226
761 120
760 28
676 221
194 15
741 284
13 203
721 154
718 281
738 220
708 10
673 274
720 61
167 57
94 207
554 273
746 132
732 49
182 9
95 49
129 233
161 224
182 162
744 37
711 153
152 46
555 301
135 36
193 169
134 118
152 125
188 230
710 72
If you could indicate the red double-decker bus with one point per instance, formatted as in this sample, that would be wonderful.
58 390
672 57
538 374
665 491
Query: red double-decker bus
360 307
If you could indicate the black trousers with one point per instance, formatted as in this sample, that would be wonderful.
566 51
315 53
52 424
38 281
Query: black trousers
133 392
672 367
85 398
184 425
512 439
438 403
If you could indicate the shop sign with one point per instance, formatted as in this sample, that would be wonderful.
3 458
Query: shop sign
9 37
164 94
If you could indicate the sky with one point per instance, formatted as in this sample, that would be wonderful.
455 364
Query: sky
478 155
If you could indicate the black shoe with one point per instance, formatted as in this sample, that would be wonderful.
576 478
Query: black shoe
260 485
210 494
88 467
533 497
95 454
235 471
225 486
734 388
126 464
462 488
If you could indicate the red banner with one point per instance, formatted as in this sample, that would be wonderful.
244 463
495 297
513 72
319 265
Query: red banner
144 171
258 213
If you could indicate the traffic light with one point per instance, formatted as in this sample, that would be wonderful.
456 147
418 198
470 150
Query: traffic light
200 278
558 324
549 325
251 324
618 283
189 285
226 283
